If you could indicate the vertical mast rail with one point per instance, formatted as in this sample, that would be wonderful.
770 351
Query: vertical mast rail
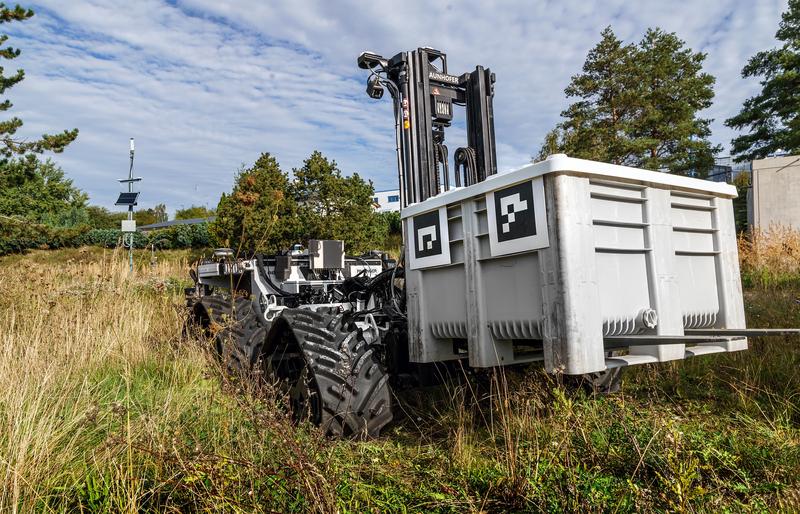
424 94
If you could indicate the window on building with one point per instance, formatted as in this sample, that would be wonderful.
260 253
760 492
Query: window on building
394 198
374 199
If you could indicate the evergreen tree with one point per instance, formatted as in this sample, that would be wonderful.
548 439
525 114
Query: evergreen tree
596 126
259 215
668 133
9 144
638 106
772 116
332 206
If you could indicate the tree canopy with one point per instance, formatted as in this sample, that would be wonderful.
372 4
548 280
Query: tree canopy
638 105
332 206
193 212
157 214
772 117
266 211
100 217
10 145
38 191
259 215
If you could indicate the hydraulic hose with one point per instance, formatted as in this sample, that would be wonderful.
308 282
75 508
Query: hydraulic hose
466 159
263 273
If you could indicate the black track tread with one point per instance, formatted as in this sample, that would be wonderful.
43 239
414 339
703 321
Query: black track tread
352 383
243 332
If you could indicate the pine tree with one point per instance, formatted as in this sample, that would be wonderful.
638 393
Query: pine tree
332 206
596 124
773 116
638 106
259 215
9 144
667 132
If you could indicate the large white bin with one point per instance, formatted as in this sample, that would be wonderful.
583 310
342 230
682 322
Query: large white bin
564 260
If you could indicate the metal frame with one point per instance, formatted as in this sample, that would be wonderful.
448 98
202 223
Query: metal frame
424 94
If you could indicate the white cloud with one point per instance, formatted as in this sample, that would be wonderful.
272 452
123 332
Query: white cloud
205 86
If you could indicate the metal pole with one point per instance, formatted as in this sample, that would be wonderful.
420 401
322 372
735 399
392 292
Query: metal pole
130 211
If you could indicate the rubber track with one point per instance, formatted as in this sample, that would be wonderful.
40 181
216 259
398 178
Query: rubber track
241 333
351 382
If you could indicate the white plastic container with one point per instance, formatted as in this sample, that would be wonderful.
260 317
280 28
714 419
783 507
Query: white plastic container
565 259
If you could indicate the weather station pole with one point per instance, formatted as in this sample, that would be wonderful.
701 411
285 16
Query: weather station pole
130 210
129 199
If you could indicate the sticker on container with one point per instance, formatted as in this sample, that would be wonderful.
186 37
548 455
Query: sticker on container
517 218
431 243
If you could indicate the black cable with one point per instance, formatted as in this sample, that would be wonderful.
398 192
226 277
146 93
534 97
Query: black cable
473 165
395 304
263 273
363 261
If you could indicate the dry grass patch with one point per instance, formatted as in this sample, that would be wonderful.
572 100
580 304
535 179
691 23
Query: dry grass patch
770 257
106 407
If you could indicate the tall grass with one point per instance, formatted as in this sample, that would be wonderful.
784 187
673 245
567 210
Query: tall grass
770 257
103 407
106 407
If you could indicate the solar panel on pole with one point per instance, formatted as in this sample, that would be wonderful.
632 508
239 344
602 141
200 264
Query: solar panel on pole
127 198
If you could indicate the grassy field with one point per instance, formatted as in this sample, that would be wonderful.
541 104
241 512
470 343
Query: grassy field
105 407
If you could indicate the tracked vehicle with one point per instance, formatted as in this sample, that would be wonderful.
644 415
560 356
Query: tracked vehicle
583 266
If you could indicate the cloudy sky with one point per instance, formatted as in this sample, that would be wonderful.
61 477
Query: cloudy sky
205 86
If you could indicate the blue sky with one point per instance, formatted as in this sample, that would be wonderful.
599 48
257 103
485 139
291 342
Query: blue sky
205 86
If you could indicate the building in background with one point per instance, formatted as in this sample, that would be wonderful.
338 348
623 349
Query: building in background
774 193
724 164
173 223
721 171
387 201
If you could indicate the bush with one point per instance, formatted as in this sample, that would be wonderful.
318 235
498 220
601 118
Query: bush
106 237
181 236
17 235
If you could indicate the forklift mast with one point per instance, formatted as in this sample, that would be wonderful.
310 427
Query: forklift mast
424 94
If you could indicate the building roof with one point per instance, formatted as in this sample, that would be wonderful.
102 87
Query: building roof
166 224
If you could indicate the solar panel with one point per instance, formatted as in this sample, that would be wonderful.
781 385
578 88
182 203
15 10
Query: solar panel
127 198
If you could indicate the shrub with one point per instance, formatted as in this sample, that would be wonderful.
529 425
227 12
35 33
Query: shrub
106 237
18 235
